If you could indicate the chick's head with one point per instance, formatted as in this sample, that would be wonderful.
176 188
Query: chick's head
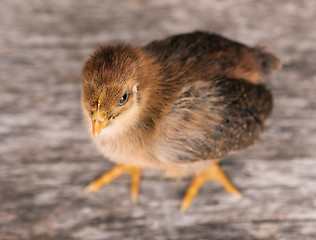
111 79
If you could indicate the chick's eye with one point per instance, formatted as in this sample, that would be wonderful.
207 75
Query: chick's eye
124 98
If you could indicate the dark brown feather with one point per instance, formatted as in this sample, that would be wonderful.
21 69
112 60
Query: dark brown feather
211 55
209 119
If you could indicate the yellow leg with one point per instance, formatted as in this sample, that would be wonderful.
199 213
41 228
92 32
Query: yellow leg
114 173
135 174
212 173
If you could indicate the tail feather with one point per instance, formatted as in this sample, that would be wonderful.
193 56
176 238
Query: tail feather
268 61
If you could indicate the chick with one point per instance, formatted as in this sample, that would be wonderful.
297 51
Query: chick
177 105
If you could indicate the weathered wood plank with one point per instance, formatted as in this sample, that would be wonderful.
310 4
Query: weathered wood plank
46 157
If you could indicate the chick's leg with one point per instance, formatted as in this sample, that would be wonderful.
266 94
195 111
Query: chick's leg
214 172
114 173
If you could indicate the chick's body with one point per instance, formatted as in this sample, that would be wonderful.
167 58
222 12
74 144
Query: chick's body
176 104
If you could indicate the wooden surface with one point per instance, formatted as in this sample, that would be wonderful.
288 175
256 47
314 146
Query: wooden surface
46 158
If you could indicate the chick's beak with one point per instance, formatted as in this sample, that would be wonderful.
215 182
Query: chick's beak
99 121
97 126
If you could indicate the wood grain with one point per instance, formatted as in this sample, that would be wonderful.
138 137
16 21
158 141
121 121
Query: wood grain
46 158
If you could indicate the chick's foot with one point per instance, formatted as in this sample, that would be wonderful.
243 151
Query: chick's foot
115 172
214 172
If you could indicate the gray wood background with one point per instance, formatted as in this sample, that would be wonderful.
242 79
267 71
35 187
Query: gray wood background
46 158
